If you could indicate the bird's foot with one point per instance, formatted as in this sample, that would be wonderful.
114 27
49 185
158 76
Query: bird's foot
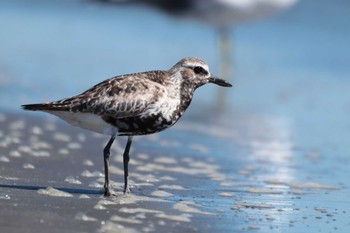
107 193
126 191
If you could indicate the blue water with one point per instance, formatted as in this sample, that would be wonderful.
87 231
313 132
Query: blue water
54 49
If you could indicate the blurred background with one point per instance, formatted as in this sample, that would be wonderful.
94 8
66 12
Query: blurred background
285 58
52 49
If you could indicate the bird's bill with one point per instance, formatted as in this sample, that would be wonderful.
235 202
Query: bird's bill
219 82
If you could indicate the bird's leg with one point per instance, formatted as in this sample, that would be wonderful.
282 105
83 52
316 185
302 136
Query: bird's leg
126 159
106 153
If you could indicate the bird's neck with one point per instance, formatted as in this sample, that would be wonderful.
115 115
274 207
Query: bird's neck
179 88
186 94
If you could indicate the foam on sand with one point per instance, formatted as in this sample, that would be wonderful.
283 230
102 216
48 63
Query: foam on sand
186 206
160 193
83 217
50 191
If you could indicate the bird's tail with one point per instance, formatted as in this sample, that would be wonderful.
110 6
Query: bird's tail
44 107
35 107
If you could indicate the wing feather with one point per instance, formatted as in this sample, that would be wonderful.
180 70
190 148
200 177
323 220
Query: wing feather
124 96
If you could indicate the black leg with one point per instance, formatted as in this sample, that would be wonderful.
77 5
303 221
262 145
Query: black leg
106 153
126 159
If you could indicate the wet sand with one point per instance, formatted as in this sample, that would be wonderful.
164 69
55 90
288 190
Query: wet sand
185 180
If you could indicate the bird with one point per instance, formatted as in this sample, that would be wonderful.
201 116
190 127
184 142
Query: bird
215 12
222 14
132 105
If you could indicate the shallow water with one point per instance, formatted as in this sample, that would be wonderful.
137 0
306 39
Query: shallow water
250 177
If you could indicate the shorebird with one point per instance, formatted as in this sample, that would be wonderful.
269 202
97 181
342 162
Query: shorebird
222 14
133 104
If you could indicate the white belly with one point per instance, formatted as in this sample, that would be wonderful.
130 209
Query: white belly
87 121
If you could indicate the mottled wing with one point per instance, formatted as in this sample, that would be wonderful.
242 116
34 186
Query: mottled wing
119 97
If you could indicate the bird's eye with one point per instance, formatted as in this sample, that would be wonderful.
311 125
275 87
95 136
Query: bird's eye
198 69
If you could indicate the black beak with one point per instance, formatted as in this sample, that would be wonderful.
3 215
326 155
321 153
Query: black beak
219 82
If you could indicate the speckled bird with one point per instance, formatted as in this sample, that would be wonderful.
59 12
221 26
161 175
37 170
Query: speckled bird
133 104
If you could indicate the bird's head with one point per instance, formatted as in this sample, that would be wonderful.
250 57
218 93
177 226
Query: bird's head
195 73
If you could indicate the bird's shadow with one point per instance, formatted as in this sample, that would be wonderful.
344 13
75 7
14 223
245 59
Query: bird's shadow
67 190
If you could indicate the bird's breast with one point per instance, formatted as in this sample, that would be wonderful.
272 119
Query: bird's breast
157 118
142 125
